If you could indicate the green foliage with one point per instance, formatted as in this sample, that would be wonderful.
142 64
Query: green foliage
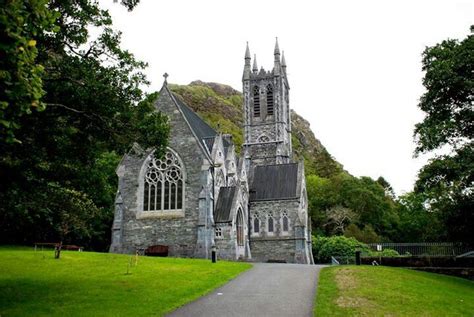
95 284
447 180
225 126
386 185
59 182
364 196
417 223
366 235
338 218
385 253
221 107
447 102
326 247
388 291
21 85
306 147
218 105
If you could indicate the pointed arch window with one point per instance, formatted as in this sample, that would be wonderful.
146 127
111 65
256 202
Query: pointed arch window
256 225
163 188
256 101
284 222
240 228
269 100
271 223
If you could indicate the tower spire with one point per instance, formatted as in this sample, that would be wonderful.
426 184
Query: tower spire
276 64
276 52
247 55
283 61
246 74
255 67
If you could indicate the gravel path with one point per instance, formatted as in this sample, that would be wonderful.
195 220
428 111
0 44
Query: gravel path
265 290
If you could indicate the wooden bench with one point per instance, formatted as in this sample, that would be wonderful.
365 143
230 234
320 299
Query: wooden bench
55 245
157 250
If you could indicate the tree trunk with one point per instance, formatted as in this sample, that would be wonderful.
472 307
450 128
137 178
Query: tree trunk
57 250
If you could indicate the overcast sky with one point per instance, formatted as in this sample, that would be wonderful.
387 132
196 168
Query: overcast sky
354 67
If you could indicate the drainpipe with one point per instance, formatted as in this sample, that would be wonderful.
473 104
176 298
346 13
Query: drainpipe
248 220
213 202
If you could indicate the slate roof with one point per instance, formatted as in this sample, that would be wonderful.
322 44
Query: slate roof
274 182
224 204
201 128
209 143
203 131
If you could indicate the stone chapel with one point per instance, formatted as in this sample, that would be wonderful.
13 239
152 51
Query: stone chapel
202 194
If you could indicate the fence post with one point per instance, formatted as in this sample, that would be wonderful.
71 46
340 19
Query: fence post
357 257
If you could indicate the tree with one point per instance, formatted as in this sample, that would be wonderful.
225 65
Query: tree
447 180
417 223
21 86
366 235
339 217
364 196
94 109
447 102
386 185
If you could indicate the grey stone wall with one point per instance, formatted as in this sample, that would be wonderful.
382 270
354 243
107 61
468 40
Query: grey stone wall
276 127
191 231
178 231
282 246
226 244
281 250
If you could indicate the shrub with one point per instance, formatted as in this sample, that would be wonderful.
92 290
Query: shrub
366 235
385 253
325 247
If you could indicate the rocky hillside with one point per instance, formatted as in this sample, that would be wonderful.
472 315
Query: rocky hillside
221 107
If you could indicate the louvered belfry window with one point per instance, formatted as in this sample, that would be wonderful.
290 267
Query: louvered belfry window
269 100
256 101
164 184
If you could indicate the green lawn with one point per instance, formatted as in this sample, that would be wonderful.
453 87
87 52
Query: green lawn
387 291
96 284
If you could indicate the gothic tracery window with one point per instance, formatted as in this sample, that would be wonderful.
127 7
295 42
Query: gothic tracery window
270 223
256 224
256 101
284 222
240 228
269 100
163 184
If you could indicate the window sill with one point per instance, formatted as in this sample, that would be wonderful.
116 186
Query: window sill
160 214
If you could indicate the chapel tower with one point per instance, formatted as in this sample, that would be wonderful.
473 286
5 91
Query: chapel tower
267 122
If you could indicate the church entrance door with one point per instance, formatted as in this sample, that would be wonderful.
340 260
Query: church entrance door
240 234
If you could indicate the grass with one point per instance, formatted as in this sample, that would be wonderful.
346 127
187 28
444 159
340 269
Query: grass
387 291
96 284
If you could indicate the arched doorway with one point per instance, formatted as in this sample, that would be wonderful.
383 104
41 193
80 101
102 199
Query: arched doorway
239 224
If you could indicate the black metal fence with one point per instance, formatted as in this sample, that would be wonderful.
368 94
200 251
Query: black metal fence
343 260
424 248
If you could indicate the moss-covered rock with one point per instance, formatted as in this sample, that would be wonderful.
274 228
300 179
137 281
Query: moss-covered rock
221 107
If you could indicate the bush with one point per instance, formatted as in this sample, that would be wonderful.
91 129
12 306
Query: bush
385 253
366 235
325 247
